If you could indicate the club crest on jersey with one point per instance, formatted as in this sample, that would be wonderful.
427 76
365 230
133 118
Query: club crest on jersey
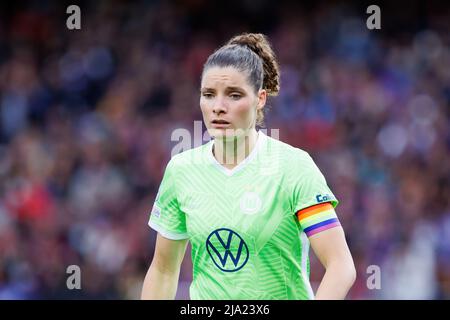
227 249
250 203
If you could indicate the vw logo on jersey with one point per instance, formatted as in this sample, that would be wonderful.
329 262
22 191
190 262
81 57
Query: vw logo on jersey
250 203
227 249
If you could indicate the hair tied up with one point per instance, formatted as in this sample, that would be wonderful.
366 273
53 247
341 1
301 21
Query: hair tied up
258 43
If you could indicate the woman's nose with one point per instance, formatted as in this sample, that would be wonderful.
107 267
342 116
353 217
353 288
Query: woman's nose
219 105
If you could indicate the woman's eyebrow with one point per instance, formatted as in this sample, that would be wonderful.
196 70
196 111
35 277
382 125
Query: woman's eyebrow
228 89
235 89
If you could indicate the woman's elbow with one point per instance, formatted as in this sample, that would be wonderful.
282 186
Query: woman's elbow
351 272
346 270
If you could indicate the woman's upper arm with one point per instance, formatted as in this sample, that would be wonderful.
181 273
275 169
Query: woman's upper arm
169 254
330 246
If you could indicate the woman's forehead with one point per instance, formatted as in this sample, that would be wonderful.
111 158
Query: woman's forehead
224 76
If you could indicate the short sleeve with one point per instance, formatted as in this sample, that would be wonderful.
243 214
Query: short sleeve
313 200
166 217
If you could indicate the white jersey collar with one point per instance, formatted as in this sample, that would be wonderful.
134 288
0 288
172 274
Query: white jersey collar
229 172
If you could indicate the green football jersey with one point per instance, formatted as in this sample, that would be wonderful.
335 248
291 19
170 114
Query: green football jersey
248 240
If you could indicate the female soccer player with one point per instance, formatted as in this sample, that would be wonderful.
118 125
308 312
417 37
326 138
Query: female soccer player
250 205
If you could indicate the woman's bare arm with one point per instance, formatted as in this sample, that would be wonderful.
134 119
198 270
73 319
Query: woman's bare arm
161 281
331 248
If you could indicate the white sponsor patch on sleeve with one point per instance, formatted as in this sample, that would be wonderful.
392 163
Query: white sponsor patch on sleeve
156 212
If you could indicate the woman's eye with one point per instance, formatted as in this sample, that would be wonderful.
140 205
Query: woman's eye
235 96
207 95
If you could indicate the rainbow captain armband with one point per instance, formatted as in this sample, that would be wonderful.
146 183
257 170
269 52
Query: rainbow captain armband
318 218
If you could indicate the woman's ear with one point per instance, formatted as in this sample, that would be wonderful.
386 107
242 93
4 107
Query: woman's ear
262 97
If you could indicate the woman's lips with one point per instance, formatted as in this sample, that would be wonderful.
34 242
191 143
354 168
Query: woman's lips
220 124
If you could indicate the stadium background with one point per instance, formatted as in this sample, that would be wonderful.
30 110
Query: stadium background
86 118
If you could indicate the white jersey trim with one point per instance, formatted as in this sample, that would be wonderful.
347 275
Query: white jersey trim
167 234
304 264
229 172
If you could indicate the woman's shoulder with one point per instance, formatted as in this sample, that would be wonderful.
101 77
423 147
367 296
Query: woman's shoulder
286 150
190 157
295 161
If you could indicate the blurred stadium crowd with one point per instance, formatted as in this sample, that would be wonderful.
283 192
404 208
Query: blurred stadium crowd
86 119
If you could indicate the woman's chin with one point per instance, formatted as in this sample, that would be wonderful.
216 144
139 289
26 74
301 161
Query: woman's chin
225 134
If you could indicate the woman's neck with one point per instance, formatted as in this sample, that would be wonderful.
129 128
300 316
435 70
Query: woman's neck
232 151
